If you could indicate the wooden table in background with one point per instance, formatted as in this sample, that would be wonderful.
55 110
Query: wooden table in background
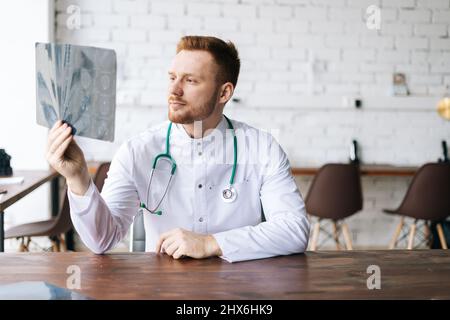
366 170
32 180
413 274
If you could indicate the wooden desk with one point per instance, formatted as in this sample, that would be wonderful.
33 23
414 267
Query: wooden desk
419 274
32 180
367 170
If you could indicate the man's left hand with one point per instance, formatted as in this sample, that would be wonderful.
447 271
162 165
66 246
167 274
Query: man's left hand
179 242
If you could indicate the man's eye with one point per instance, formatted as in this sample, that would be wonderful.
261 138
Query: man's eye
190 80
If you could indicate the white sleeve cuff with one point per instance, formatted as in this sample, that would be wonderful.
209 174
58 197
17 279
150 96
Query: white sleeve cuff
79 204
225 245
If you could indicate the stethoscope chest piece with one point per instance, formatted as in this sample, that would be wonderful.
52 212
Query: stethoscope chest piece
229 194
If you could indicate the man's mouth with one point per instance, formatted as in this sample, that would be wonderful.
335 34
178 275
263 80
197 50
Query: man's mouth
176 104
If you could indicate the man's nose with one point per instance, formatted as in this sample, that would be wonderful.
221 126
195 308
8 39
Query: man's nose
175 88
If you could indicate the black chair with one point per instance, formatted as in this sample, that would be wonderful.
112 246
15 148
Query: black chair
335 194
427 200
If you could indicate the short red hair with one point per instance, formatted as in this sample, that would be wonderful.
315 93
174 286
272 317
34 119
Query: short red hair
224 53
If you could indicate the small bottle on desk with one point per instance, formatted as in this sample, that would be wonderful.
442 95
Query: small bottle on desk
354 157
444 153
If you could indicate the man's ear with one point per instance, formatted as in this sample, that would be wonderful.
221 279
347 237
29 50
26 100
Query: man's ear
226 92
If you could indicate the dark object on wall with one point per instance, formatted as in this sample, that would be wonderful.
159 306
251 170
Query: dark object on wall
444 152
5 163
354 156
446 228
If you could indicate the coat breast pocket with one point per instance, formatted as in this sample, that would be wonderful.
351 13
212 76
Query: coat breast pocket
245 208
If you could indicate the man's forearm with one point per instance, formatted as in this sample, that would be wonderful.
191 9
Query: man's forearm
80 183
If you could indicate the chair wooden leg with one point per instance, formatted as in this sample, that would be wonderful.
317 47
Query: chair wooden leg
347 238
315 236
62 242
441 236
412 233
22 247
336 235
28 243
24 244
396 234
427 234
55 245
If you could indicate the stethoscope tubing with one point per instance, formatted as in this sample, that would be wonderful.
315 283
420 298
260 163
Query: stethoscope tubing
166 156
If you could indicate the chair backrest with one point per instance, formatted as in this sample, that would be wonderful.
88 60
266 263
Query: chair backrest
428 195
63 222
137 236
335 192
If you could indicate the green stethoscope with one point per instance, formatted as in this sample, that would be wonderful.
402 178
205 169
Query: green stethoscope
229 194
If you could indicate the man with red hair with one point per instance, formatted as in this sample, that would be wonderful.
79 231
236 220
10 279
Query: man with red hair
240 209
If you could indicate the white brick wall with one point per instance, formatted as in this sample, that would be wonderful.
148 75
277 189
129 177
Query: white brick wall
276 39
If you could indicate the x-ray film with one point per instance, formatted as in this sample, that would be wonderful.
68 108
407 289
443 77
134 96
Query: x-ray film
76 84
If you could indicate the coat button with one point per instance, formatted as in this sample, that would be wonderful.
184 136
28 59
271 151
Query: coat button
200 186
200 219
